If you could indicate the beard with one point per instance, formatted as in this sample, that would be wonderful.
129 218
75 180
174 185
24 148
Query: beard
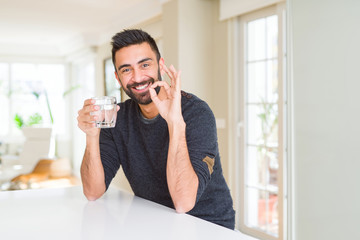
142 98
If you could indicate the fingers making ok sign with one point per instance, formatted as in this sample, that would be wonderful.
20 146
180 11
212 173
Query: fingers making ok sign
170 106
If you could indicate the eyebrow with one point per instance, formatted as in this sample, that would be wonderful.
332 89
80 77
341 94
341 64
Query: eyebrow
128 65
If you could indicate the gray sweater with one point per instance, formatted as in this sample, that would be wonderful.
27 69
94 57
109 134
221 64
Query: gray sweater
140 146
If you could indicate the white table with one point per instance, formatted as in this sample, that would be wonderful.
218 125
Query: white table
64 213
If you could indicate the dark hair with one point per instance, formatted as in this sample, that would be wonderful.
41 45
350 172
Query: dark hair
130 37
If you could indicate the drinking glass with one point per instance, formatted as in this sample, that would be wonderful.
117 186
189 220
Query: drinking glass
107 112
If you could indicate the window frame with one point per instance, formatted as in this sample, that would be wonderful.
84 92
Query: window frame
237 92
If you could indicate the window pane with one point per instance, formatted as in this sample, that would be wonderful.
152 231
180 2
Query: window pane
252 199
252 166
269 124
254 130
24 86
38 89
4 100
273 214
272 36
273 163
272 91
267 159
262 124
256 80
256 40
263 211
52 77
262 167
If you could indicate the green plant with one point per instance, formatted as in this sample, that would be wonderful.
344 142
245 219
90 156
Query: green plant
19 122
34 119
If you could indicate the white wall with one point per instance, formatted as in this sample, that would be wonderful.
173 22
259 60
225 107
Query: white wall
326 84
195 41
188 43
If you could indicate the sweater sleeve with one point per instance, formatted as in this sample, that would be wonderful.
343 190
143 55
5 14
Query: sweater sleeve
109 155
201 137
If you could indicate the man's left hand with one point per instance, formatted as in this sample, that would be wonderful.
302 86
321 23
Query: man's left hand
169 107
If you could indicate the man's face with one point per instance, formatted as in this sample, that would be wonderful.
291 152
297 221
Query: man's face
137 69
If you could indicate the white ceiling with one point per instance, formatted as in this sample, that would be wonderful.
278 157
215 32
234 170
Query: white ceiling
58 27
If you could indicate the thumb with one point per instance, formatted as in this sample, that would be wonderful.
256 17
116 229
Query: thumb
154 96
117 108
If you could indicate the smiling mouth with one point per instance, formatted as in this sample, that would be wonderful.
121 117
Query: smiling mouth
142 87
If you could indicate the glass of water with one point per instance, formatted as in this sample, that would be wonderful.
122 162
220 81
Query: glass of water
106 115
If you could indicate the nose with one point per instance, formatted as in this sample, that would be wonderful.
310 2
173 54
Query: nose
137 76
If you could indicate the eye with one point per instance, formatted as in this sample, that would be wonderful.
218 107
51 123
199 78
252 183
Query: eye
125 70
145 65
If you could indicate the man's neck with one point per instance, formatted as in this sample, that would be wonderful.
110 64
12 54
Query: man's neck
150 111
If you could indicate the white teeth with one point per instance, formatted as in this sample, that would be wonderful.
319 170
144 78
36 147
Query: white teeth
141 87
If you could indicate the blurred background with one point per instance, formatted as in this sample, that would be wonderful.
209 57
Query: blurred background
280 76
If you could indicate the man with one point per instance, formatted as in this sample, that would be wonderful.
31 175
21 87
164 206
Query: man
164 139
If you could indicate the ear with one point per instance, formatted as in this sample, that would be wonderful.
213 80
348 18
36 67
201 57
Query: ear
161 64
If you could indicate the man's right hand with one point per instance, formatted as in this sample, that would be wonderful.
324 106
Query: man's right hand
86 121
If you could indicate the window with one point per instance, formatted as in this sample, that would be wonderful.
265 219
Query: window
260 119
33 93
